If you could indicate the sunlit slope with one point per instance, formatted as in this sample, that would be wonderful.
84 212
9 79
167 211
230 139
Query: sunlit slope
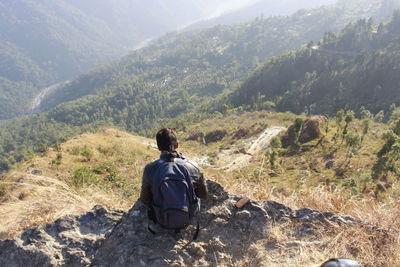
101 168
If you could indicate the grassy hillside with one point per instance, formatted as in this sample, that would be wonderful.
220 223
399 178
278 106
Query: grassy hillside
100 168
106 167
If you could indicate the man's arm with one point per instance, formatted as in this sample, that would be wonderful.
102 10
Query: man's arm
200 187
199 183
146 196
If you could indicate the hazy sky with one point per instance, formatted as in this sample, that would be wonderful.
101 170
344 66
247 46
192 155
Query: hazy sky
228 5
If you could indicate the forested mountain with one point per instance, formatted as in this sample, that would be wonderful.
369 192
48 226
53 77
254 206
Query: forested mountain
206 62
263 8
180 73
360 67
48 41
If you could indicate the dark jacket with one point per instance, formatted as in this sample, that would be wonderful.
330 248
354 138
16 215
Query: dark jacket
150 170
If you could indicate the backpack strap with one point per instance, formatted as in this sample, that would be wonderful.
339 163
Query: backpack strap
150 230
196 234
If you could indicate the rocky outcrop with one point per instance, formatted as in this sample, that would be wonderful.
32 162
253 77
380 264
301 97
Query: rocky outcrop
111 238
288 138
71 240
311 129
215 136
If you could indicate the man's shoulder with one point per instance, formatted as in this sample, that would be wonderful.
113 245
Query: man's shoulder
151 165
191 165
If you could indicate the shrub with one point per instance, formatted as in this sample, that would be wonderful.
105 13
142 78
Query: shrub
57 147
380 116
75 150
3 189
276 142
83 176
57 160
87 153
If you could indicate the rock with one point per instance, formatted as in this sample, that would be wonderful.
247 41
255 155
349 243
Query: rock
215 136
71 240
36 172
241 133
311 129
111 238
329 164
289 137
193 137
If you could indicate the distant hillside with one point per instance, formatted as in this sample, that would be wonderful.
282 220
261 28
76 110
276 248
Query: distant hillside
357 68
265 8
48 41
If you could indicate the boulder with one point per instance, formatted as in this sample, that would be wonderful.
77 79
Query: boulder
193 137
311 129
289 137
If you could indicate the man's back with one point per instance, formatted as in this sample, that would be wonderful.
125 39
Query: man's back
150 173
171 185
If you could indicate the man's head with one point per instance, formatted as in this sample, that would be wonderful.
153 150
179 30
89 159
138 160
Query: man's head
167 139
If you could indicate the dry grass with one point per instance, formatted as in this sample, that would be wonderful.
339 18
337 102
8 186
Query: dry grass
370 247
116 164
302 180
282 248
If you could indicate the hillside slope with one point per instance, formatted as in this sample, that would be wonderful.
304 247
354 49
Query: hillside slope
265 8
52 182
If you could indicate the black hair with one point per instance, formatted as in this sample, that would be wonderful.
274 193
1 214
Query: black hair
166 138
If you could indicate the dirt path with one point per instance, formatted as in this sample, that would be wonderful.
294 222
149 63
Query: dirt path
241 154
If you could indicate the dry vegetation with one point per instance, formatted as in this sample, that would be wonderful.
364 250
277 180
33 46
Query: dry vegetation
105 168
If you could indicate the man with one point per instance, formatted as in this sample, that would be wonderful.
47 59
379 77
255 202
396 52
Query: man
171 185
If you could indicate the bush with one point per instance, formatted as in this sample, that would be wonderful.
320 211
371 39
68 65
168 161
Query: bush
83 176
3 189
275 142
57 160
87 153
75 150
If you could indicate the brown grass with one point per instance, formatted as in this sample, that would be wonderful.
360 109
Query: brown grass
36 199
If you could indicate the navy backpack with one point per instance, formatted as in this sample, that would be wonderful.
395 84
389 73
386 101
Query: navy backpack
174 200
